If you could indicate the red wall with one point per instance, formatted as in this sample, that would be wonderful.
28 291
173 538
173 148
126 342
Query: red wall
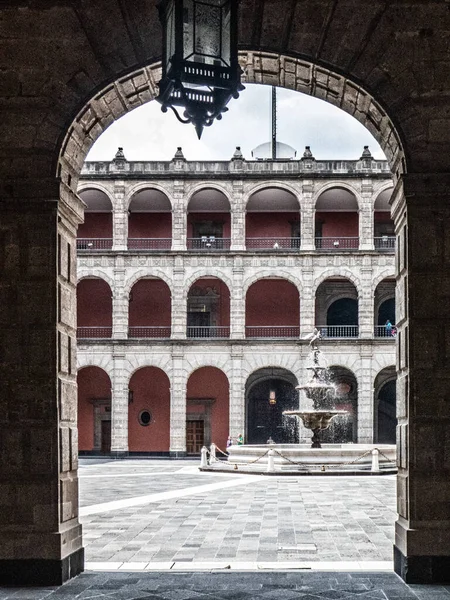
210 382
382 217
151 391
272 302
96 225
339 224
217 217
93 382
270 224
224 305
150 225
94 303
150 303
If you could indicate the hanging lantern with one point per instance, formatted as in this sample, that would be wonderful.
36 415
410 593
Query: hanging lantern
200 69
272 398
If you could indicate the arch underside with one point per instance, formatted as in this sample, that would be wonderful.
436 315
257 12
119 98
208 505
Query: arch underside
267 68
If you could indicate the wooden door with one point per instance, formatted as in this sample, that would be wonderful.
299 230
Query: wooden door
105 447
195 436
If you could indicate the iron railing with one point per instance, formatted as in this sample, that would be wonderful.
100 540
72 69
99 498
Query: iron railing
381 331
385 243
212 331
338 331
272 243
337 243
208 243
149 332
94 243
275 331
87 333
149 243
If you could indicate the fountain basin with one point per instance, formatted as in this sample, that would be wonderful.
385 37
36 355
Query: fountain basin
336 455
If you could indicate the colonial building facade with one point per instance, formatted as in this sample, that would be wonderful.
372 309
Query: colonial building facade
199 282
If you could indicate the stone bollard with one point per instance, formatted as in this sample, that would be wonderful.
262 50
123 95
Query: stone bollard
375 461
212 452
271 461
203 457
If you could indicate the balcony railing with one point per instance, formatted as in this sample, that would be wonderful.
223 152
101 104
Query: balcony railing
208 243
385 243
382 332
155 332
337 243
273 243
87 333
213 331
338 331
94 243
149 243
275 331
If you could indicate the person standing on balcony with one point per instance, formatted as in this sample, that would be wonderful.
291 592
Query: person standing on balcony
388 328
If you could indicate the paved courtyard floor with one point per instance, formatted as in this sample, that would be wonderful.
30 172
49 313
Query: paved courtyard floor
161 514
161 530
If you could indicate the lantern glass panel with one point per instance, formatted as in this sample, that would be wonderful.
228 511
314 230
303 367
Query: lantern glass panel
204 38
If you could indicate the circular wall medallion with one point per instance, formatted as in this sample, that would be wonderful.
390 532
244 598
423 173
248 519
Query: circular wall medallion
145 417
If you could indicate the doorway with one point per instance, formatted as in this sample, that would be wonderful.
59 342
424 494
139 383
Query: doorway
105 444
195 436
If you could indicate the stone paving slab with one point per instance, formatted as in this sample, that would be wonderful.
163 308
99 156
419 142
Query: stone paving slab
170 512
233 586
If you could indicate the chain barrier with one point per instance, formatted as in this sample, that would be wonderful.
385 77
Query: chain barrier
306 464
221 451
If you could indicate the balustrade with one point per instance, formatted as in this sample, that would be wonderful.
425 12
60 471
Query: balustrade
212 331
338 331
156 332
337 243
86 333
273 243
272 331
94 244
149 243
208 243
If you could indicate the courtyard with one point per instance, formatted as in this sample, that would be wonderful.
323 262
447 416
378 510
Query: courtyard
167 515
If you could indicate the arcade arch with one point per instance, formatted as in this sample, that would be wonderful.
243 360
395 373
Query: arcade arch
94 309
272 220
272 309
268 392
96 233
149 220
94 411
209 220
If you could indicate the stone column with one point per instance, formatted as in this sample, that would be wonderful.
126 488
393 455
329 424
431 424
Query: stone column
120 217
366 216
365 396
307 216
421 211
179 216
39 529
365 301
307 299
178 404
238 217
119 405
179 308
237 301
237 394
120 302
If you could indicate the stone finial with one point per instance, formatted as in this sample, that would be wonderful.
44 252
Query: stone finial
237 154
179 154
120 154
366 154
307 154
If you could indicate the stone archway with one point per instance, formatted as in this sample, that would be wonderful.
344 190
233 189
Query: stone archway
56 104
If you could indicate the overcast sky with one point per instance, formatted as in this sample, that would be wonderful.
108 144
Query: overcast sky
148 134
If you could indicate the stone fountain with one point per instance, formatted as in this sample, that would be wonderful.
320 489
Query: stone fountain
320 392
316 457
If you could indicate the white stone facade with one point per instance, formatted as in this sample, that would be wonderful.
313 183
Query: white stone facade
307 268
